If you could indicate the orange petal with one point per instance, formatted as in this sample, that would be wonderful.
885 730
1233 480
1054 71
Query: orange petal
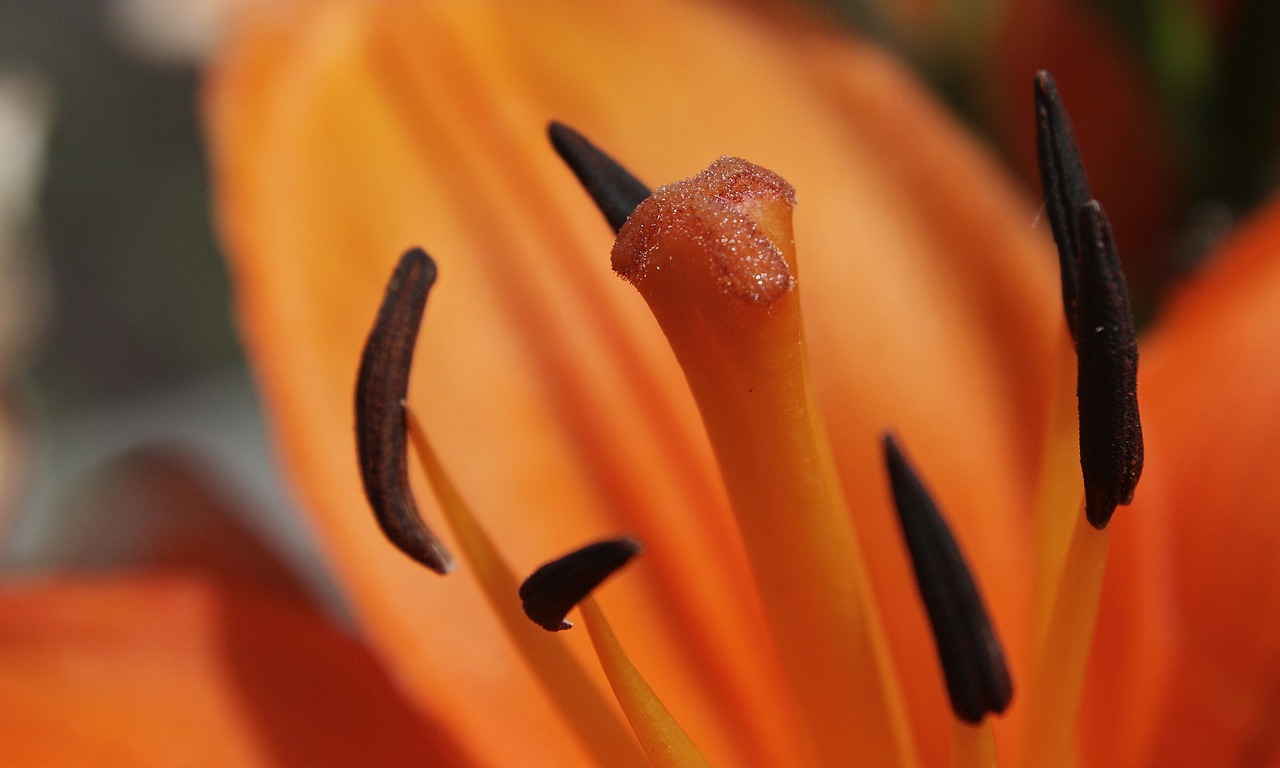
151 671
345 132
1202 631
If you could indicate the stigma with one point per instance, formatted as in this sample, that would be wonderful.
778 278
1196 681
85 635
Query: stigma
728 226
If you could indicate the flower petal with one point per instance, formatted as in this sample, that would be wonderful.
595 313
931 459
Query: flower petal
1203 631
153 671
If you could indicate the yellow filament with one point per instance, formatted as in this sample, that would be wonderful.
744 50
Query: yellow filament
566 682
1060 488
973 746
662 738
1058 668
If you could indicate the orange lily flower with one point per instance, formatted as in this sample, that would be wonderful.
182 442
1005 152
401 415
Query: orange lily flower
344 131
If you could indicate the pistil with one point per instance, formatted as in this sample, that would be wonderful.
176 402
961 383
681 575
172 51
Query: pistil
713 257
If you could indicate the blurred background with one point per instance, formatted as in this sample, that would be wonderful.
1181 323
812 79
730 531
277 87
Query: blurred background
123 371
130 391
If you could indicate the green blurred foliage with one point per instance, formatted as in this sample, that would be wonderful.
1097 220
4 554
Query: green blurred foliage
140 293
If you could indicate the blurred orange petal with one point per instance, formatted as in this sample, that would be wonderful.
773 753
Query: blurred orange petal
160 671
1209 391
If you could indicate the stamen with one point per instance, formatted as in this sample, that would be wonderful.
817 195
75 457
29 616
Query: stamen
615 191
1058 668
972 659
381 387
1060 486
714 259
1110 438
554 589
1096 304
973 746
1066 188
564 679
1107 347
662 738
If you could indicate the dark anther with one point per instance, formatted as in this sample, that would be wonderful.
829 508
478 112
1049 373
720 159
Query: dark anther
555 588
1066 188
972 661
381 387
615 191
1107 383
1096 301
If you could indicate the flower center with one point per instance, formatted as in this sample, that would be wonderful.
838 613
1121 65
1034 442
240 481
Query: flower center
714 259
